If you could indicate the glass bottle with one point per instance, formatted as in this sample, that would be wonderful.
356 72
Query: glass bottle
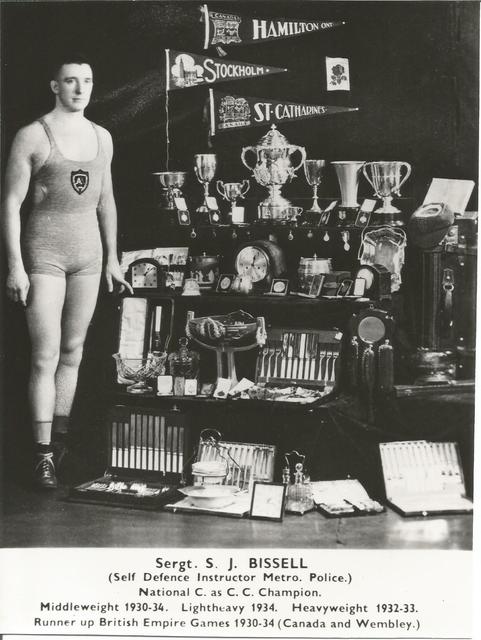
183 364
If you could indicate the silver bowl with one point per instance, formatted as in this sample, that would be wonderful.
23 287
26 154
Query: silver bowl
170 179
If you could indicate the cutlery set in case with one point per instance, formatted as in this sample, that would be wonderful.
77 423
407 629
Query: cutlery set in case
307 357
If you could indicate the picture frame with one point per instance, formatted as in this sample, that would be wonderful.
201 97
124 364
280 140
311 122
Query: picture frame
224 283
279 287
316 285
268 501
359 287
344 288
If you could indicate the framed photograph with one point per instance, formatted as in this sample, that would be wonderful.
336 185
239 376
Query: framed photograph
268 501
224 283
344 288
317 284
279 287
359 287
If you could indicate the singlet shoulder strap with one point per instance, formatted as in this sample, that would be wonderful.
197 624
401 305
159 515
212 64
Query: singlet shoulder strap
49 133
99 139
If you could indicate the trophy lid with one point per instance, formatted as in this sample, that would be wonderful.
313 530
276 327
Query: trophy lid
274 138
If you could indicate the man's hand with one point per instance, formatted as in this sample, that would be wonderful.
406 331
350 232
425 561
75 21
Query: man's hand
113 273
18 285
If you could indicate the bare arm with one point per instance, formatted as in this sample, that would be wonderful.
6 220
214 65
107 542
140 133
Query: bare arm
107 215
17 180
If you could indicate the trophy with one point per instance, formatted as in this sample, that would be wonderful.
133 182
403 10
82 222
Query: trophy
205 165
231 191
386 180
170 183
313 170
348 172
272 169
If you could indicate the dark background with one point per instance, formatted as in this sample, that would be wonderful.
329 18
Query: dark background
414 77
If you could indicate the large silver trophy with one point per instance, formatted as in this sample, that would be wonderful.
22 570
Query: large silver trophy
230 191
171 183
313 170
386 180
205 166
348 172
273 167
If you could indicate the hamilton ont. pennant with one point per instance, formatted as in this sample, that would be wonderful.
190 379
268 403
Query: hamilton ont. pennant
186 70
234 111
229 28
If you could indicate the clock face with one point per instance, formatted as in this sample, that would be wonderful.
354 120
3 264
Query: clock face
144 275
253 262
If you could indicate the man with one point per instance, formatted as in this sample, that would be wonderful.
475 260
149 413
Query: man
55 270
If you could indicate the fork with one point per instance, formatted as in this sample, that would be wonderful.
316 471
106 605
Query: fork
265 352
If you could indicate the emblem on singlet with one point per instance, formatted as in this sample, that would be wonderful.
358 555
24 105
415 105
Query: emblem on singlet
79 180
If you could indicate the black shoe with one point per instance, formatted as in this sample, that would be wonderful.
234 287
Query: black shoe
60 450
44 471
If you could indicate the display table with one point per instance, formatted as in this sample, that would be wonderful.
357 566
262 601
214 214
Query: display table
33 520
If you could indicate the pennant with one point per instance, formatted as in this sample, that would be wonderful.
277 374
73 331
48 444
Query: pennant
229 28
233 111
186 70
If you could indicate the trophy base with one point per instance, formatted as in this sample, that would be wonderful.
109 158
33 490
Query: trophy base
434 367
310 218
346 215
139 388
208 216
393 219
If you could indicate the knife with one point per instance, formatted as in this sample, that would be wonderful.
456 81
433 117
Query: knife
285 341
302 352
314 345
290 349
295 360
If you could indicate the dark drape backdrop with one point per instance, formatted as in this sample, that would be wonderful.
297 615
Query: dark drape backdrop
414 77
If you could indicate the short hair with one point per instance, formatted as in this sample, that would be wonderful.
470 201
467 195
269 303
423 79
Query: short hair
73 57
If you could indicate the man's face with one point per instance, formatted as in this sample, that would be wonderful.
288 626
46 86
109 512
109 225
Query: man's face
73 86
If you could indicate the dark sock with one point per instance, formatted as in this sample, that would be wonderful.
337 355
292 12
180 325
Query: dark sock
60 438
42 449
60 426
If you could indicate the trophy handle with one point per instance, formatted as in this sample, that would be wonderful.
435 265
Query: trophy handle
408 173
243 156
302 151
245 188
222 193
196 171
364 170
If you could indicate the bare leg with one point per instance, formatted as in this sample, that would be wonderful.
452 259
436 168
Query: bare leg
80 300
44 312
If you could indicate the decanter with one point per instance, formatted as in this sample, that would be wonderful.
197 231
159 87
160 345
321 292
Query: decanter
184 363
299 492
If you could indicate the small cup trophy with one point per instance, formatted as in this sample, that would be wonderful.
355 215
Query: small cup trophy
205 165
230 191
386 180
171 198
348 172
313 170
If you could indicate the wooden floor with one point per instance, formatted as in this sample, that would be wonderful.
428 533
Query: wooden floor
31 519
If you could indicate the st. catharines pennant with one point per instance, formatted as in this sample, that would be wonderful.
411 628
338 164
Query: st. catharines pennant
229 28
186 70
234 111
